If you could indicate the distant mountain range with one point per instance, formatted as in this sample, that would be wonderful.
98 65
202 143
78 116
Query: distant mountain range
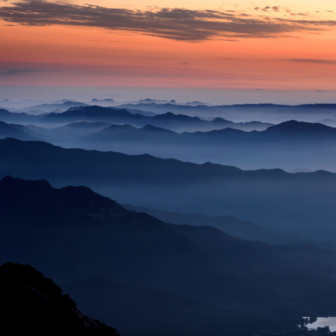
135 117
288 145
269 113
147 268
300 202
287 132
190 110
167 120
33 305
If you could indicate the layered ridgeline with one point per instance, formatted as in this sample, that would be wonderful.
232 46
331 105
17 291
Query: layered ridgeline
33 305
168 120
271 113
302 203
150 277
17 132
268 113
177 122
19 117
288 145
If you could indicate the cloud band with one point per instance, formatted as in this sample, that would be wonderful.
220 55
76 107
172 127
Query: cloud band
176 24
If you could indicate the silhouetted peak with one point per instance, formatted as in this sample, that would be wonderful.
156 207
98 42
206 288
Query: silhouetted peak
20 185
299 127
169 114
102 100
195 102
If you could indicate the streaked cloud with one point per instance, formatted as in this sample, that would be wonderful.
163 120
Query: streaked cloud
309 60
172 23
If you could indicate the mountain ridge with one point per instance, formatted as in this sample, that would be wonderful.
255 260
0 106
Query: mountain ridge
33 304
138 249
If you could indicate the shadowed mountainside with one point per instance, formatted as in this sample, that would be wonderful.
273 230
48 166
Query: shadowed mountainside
298 202
74 234
16 131
33 305
144 311
7 116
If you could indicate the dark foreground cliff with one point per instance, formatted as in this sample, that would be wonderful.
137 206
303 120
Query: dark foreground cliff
33 305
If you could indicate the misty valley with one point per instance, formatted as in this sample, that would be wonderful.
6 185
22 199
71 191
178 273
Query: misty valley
157 218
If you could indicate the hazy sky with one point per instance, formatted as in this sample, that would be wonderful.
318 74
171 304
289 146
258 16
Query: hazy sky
271 45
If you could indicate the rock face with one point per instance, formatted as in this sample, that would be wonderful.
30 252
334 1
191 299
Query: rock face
33 305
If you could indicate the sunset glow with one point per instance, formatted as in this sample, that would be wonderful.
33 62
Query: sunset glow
169 44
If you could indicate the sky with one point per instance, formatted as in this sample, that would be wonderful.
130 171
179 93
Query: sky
275 46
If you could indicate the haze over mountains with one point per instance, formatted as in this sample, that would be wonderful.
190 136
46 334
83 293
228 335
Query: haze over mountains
228 223
15 131
268 113
271 198
288 145
229 285
136 117
167 120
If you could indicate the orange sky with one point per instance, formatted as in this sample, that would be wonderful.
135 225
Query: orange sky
58 53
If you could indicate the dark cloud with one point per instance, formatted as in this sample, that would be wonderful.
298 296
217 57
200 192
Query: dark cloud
309 60
177 24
